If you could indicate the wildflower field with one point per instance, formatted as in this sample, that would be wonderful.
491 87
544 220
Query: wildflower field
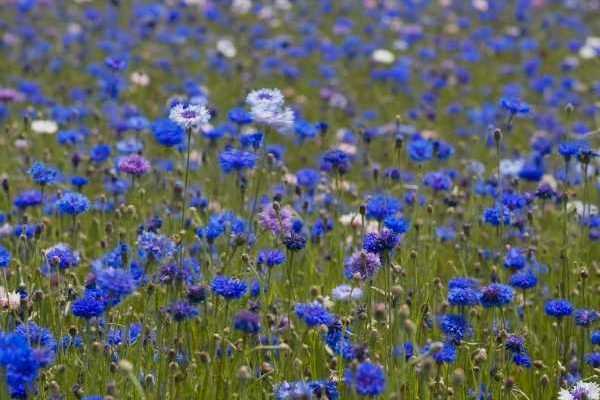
300 199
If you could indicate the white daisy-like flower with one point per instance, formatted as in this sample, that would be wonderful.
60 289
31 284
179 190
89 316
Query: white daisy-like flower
10 300
265 99
579 208
383 56
139 78
241 7
226 48
189 115
281 119
591 48
45 127
346 293
581 391
22 144
511 167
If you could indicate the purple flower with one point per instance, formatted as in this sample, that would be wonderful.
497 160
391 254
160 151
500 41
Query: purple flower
134 165
363 265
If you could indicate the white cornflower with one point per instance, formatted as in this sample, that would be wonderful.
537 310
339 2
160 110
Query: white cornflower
139 78
10 300
47 127
383 56
581 391
241 7
189 115
346 292
226 48
265 99
511 168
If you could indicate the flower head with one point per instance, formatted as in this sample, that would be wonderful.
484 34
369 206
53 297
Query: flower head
134 165
363 265
558 308
314 314
496 295
43 174
189 115
73 203
5 257
367 380
229 288
581 391
234 160
167 132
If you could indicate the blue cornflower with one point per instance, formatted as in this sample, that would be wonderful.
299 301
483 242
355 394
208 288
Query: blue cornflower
379 242
445 233
92 304
522 359
41 340
593 359
22 366
463 283
270 257
398 225
525 279
314 314
79 181
133 333
239 116
154 247
307 390
324 389
585 317
116 282
181 310
558 308
515 259
515 106
305 130
229 288
515 201
28 198
420 149
167 132
572 148
236 160
381 206
339 341
73 203
100 153
446 355
247 321
496 295
455 327
442 150
595 338
367 380
493 216
253 140
463 297
308 178
293 390
437 181
42 174
60 256
336 161
5 257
